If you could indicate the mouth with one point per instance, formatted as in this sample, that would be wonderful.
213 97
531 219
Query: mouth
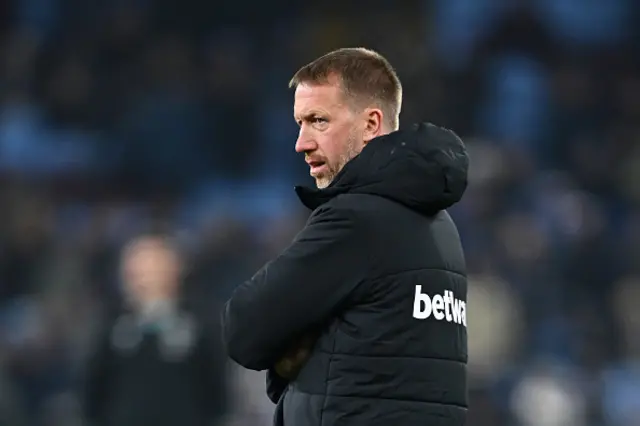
317 167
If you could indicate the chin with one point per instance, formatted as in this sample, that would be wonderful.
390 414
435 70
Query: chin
323 179
322 182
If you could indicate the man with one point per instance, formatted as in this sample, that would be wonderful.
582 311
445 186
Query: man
157 362
361 320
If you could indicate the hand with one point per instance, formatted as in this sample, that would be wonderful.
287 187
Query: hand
289 365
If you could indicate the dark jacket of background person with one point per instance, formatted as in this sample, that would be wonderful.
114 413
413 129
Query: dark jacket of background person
378 231
170 371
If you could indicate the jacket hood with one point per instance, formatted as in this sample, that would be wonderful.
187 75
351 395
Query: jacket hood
424 168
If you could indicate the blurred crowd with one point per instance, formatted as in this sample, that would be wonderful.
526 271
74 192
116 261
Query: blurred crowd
121 116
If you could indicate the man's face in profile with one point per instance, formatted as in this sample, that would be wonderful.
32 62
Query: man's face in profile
330 134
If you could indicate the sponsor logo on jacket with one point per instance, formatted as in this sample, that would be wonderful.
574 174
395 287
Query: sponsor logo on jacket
442 307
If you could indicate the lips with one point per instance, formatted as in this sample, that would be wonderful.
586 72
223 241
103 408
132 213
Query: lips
317 166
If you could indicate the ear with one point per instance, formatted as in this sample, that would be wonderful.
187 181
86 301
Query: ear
373 124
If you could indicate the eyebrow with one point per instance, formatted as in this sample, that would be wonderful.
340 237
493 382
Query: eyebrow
307 116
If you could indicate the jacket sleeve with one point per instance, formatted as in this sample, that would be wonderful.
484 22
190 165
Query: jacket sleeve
300 289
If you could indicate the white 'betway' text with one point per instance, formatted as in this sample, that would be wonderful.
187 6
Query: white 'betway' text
443 307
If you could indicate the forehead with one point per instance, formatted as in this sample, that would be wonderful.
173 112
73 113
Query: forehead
147 246
310 97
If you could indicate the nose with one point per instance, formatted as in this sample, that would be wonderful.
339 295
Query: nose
305 143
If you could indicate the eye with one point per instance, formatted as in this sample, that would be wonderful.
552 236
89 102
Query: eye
312 119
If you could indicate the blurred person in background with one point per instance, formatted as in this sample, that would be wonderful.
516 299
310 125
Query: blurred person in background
362 319
157 362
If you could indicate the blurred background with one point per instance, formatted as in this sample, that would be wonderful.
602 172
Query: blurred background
118 116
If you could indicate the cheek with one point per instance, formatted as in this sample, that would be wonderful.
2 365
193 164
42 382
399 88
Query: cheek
331 149
334 141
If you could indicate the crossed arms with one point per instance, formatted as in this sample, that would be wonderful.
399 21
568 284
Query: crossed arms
298 291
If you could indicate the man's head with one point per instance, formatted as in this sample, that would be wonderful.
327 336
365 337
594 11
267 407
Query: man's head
151 269
343 100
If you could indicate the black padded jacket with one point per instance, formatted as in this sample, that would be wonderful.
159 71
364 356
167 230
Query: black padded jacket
379 270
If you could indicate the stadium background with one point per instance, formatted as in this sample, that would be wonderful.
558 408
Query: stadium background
119 114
